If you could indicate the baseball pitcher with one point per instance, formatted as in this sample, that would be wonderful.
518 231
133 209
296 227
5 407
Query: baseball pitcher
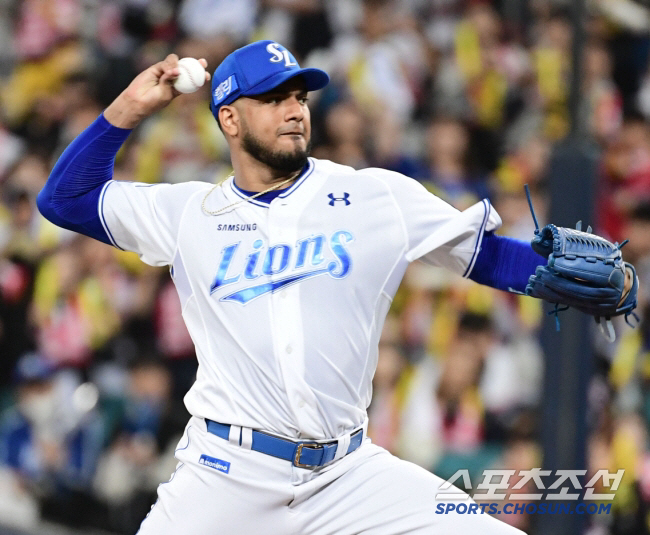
285 272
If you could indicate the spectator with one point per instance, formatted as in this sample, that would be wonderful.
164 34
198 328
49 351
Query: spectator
236 18
386 395
383 65
139 454
447 144
626 180
174 341
604 100
448 427
50 442
345 129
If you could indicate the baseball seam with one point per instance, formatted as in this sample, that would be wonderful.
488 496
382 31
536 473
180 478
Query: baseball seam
185 68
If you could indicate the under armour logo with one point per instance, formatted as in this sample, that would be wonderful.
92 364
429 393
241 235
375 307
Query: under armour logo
345 198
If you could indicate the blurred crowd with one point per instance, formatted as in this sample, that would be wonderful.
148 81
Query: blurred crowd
466 96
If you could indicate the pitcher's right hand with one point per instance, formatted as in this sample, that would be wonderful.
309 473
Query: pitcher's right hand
149 92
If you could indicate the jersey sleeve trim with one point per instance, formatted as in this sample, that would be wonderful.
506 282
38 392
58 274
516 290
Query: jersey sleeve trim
102 218
479 238
459 231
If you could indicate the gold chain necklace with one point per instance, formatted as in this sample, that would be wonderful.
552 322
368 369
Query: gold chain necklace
247 199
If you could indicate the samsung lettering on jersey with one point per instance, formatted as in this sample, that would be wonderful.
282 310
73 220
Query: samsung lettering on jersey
237 227
278 259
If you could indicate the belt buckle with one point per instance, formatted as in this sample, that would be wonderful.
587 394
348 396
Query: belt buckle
296 459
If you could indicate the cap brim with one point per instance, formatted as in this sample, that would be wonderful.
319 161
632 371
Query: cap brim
314 78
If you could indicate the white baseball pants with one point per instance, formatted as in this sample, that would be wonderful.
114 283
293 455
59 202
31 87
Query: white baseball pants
223 488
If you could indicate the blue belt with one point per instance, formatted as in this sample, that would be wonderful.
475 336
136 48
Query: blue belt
301 454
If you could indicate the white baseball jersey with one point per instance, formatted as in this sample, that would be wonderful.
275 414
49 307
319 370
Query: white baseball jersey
286 301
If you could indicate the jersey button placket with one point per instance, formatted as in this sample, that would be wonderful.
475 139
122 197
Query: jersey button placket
287 324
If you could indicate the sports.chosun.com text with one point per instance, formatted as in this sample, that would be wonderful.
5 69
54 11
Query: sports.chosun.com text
494 508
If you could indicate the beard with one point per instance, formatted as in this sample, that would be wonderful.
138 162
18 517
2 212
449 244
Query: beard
281 161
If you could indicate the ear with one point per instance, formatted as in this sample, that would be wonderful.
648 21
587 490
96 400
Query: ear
229 119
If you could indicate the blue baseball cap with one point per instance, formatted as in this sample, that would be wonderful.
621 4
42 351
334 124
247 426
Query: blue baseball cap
257 68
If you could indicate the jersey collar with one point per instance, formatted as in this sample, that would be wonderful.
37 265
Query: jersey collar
308 170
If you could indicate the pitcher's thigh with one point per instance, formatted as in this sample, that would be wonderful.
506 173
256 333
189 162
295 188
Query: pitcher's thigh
202 501
383 495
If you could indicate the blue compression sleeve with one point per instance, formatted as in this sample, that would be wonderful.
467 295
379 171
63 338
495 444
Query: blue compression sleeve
71 194
505 263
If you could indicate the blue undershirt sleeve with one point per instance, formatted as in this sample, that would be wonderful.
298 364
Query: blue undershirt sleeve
72 192
505 263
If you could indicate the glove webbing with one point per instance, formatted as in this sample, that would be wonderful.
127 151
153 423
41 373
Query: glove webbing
606 327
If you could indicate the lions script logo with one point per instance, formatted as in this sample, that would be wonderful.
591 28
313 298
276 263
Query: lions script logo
296 260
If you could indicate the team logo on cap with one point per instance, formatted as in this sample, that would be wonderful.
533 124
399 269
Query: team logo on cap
225 88
279 54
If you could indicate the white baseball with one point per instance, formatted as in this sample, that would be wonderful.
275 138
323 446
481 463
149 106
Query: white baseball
191 77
